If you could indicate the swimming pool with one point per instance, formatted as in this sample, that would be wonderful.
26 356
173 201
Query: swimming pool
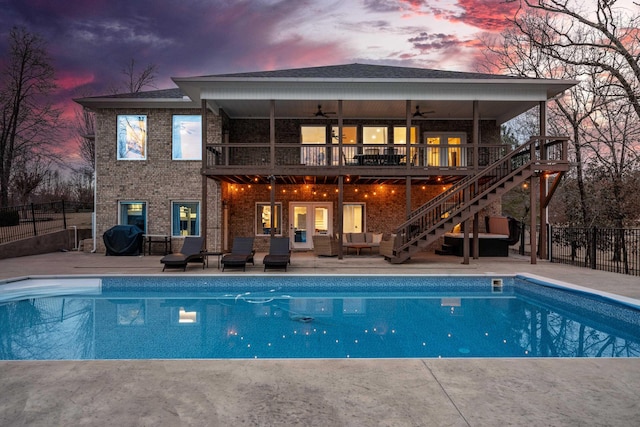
289 316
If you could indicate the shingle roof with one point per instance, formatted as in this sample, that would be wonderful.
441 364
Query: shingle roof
363 71
152 94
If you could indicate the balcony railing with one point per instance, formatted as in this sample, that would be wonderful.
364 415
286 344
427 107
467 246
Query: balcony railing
356 155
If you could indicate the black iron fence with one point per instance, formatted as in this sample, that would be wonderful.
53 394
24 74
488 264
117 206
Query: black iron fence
20 222
609 249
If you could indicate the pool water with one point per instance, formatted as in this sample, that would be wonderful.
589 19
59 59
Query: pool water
230 317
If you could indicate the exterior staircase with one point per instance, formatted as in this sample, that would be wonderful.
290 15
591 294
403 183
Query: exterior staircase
473 193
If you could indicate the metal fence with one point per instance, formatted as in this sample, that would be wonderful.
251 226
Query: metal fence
609 249
20 222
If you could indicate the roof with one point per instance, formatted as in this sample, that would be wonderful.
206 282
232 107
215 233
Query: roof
368 92
362 71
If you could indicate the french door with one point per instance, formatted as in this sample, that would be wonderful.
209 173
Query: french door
308 219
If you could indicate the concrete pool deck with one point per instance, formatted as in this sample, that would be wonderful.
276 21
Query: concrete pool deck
395 392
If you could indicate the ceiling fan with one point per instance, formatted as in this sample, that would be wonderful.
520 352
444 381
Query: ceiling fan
320 113
418 113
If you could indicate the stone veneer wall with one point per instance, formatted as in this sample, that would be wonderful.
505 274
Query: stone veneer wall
158 180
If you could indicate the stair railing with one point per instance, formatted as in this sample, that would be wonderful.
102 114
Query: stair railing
467 192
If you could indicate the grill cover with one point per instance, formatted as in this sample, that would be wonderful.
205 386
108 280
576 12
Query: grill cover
123 240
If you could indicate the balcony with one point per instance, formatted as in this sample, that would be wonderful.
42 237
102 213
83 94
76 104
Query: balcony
236 159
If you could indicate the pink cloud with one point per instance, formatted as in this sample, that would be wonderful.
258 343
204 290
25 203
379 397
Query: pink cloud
68 81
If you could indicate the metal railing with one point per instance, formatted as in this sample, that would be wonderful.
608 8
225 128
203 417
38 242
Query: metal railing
608 249
21 222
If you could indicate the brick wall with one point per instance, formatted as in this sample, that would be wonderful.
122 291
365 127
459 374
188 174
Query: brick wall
158 180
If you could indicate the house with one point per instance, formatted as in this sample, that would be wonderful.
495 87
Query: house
321 150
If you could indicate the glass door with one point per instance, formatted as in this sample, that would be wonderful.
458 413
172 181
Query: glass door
306 220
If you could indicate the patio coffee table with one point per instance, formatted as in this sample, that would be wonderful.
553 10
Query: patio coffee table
358 247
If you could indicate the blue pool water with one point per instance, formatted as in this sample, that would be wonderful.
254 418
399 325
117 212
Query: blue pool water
292 316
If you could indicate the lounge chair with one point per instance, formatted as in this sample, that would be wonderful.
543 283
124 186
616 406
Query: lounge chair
279 254
241 253
191 252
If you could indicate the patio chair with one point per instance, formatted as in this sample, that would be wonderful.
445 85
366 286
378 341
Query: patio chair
325 245
191 252
279 254
241 253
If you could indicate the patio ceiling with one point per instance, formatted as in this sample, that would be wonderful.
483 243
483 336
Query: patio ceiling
373 109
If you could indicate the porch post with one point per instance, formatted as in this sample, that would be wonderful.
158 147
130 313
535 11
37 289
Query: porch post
533 215
203 205
340 183
272 182
544 211
465 231
476 134
407 141
340 215
272 160
272 134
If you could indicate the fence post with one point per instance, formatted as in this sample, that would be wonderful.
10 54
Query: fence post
33 220
64 216
594 239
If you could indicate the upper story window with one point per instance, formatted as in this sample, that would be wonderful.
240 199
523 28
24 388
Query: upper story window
375 135
313 155
445 149
132 137
400 134
187 137
349 139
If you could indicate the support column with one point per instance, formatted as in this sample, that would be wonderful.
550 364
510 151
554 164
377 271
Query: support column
272 182
465 230
407 191
340 215
544 211
476 135
204 223
533 215
340 183
272 134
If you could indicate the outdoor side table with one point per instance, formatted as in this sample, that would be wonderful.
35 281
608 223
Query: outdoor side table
157 239
218 254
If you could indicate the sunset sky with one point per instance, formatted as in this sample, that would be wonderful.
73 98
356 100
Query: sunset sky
91 41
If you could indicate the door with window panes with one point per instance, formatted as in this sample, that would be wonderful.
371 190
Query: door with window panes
307 220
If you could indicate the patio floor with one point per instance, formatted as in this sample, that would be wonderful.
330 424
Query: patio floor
411 392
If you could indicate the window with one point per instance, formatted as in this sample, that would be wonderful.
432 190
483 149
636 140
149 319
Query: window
445 149
349 139
185 218
400 138
353 218
374 135
314 155
187 138
265 219
132 137
134 213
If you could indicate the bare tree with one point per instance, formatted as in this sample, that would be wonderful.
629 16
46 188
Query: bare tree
135 81
28 121
599 34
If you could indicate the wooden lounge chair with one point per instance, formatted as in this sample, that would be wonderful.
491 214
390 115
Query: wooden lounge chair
191 252
279 254
241 253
